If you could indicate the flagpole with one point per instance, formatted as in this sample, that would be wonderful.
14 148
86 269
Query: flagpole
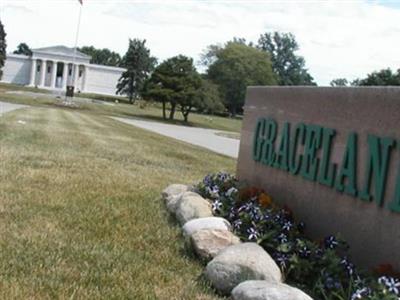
77 31
76 72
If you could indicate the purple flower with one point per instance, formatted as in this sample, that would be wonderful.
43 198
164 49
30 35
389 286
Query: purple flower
215 189
255 213
282 238
331 283
304 252
231 191
278 217
331 242
349 267
287 226
392 284
207 180
216 206
223 176
237 223
360 293
232 213
282 259
253 233
246 207
266 216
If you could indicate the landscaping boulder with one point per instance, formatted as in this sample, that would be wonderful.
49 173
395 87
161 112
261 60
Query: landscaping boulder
174 190
205 223
266 290
241 262
191 206
172 194
207 243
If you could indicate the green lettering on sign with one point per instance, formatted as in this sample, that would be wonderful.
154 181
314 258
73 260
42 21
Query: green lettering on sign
282 156
270 135
309 166
346 180
307 151
327 171
377 164
258 139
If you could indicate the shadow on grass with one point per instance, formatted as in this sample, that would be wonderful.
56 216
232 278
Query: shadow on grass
159 119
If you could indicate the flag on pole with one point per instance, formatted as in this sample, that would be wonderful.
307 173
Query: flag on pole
81 2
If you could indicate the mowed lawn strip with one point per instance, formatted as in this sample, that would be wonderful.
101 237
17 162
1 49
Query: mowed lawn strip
142 109
80 211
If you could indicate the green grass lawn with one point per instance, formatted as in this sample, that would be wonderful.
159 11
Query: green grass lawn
80 212
143 110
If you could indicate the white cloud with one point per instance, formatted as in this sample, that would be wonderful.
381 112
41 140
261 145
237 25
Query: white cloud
337 38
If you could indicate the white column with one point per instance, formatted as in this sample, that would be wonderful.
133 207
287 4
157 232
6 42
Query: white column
33 72
65 75
43 70
76 76
53 75
84 80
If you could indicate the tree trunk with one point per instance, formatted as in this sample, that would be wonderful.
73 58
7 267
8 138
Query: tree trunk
163 111
131 91
172 112
185 113
233 110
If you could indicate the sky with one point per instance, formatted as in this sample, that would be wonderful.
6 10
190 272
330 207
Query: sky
338 39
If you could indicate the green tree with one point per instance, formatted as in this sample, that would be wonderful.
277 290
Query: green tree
236 66
3 46
175 82
104 56
24 49
339 82
289 67
383 77
139 64
210 101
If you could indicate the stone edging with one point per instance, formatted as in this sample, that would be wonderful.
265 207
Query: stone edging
243 270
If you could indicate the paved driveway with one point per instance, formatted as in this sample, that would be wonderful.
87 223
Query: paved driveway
6 107
202 137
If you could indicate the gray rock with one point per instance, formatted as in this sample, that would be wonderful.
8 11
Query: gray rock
174 190
192 206
265 290
207 243
241 262
172 201
205 223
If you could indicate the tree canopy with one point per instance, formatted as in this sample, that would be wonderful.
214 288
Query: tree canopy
236 66
339 82
175 82
210 101
3 46
383 78
24 49
104 56
286 64
139 64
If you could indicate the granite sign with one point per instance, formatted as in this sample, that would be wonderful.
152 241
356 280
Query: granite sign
333 156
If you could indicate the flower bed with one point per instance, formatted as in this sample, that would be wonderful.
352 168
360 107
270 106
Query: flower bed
322 269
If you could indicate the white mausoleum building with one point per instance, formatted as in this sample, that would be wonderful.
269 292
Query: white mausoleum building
56 67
